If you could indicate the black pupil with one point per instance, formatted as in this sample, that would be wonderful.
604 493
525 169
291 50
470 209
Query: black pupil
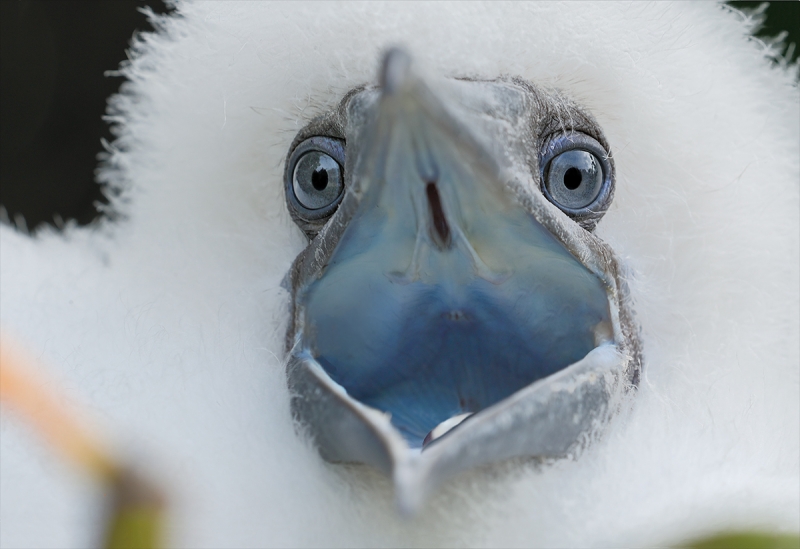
572 179
319 179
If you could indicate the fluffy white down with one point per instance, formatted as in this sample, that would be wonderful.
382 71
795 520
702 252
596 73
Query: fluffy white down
168 324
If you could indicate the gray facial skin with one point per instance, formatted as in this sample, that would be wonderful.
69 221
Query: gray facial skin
450 282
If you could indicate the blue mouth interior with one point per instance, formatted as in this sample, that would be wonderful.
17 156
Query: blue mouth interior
443 295
452 354
450 341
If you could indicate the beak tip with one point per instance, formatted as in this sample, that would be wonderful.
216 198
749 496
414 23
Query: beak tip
410 490
395 70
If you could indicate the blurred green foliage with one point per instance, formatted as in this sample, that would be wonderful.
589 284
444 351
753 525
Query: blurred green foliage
747 540
138 527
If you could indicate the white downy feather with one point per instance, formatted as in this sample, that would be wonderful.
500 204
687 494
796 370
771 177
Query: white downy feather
168 323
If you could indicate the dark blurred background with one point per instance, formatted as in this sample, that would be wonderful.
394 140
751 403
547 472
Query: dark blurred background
53 88
54 55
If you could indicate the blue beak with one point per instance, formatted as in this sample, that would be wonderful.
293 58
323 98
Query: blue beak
444 295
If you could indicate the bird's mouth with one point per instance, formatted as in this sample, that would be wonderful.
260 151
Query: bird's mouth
443 294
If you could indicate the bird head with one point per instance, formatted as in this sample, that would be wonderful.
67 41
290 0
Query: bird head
453 306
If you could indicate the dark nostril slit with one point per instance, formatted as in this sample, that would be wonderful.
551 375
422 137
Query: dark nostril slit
439 220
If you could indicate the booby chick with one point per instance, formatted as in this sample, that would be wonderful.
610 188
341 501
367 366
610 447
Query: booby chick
170 322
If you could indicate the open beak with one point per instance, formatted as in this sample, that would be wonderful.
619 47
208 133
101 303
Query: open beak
448 327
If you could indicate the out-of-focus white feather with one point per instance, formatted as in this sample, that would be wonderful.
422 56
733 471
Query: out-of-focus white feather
169 322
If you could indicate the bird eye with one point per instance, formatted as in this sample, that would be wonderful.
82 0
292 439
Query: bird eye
578 177
574 179
317 180
315 177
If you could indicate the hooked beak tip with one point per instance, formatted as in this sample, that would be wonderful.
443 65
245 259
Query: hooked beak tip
395 70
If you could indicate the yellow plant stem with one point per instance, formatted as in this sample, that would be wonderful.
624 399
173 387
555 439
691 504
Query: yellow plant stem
24 390
136 511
